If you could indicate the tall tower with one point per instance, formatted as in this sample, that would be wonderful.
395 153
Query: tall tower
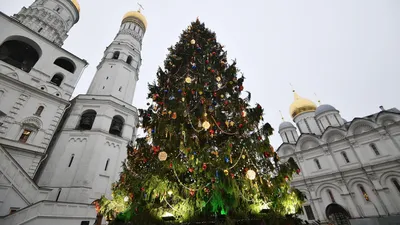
118 71
37 78
87 154
52 19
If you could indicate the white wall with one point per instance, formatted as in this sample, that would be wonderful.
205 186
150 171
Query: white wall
373 172
86 180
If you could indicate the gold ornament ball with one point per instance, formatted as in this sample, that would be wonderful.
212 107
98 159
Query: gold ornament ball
162 156
188 80
206 125
250 174
192 42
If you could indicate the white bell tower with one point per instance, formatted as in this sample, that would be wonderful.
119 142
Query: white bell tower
51 19
87 154
118 71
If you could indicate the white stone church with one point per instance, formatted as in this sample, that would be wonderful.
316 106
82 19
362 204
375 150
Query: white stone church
58 156
349 171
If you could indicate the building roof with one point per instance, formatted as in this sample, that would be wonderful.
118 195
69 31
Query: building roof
285 124
324 108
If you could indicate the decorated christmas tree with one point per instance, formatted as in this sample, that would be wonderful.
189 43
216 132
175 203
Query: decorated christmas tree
206 152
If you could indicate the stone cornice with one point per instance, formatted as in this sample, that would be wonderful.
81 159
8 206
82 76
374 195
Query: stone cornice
33 89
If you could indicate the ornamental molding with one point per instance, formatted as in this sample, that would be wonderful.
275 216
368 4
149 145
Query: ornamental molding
77 139
112 144
32 122
132 33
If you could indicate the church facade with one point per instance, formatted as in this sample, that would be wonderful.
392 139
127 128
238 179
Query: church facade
57 155
349 171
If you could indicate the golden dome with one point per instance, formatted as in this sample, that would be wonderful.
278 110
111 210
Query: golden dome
76 4
301 105
135 15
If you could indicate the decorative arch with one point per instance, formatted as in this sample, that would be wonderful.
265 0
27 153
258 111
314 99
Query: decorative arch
337 215
76 139
353 182
386 118
307 141
333 134
360 125
305 192
112 144
33 122
20 52
66 64
386 176
286 150
325 186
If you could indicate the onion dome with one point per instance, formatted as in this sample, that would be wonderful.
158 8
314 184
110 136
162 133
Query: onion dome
76 4
134 16
301 105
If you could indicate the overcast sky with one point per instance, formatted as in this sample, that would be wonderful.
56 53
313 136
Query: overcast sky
346 51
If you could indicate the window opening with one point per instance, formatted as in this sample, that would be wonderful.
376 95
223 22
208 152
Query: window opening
345 157
39 111
116 55
331 196
309 212
396 184
25 135
57 79
364 193
318 164
71 160
375 149
105 168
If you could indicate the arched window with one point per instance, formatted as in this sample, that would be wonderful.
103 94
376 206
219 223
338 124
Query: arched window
117 124
108 161
317 164
345 157
129 60
331 195
39 111
22 53
116 55
71 160
375 149
66 64
57 79
364 193
25 135
87 120
396 184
